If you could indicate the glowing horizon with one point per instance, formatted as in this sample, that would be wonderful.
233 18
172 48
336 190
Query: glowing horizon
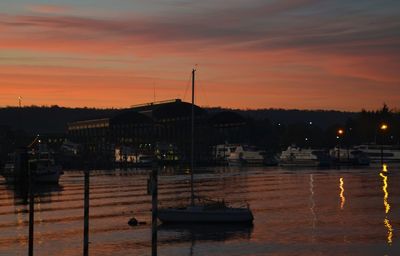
253 54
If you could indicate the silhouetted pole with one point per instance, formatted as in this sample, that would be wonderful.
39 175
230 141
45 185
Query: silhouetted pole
192 146
86 215
339 136
31 212
154 210
383 127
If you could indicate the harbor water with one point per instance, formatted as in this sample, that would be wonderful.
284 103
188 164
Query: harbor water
304 211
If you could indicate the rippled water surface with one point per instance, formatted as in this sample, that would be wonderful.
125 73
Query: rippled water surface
297 212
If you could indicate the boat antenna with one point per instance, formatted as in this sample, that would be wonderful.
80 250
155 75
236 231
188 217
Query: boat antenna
192 146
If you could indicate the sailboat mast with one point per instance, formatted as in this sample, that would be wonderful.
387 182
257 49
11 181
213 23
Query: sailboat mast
192 146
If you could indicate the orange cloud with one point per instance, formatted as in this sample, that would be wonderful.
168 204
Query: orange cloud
246 58
48 8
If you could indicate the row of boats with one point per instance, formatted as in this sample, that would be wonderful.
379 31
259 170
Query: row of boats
236 154
39 162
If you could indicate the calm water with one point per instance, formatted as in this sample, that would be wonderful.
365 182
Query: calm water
297 212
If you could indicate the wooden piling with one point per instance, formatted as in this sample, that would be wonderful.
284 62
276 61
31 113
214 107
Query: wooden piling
86 215
31 212
154 210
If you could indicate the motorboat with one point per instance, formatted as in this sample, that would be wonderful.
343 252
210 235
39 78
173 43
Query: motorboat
42 167
221 152
36 163
296 156
378 153
128 156
246 155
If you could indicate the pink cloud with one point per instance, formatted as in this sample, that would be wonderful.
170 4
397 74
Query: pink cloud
301 63
48 8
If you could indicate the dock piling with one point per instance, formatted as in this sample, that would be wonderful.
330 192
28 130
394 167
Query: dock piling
86 215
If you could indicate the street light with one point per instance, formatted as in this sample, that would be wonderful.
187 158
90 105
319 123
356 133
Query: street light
383 128
339 134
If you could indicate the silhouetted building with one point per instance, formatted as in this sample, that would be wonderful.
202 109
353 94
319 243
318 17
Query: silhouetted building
143 126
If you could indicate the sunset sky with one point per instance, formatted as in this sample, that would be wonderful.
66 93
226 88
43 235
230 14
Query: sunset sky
304 54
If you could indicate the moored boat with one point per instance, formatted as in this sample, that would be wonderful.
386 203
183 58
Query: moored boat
217 212
130 157
43 168
295 156
378 153
212 211
35 162
246 155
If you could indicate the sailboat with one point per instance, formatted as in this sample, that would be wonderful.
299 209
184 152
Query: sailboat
207 211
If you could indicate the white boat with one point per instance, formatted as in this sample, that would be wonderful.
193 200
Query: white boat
212 212
376 153
126 155
246 155
295 156
223 151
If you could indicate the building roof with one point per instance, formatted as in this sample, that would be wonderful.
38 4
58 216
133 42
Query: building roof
168 109
143 114
130 117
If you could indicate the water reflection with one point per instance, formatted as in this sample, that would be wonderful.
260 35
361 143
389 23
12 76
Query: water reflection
287 217
41 192
312 205
390 231
342 198
385 192
178 233
386 221
205 232
18 195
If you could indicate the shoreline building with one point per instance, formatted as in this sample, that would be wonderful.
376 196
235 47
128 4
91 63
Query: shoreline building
164 126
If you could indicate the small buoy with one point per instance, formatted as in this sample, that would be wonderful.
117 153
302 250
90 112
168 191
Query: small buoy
133 222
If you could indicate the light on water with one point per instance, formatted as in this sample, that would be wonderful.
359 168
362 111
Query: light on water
296 211
342 198
385 193
386 204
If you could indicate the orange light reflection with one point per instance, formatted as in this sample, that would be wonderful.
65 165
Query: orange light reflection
386 204
342 198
